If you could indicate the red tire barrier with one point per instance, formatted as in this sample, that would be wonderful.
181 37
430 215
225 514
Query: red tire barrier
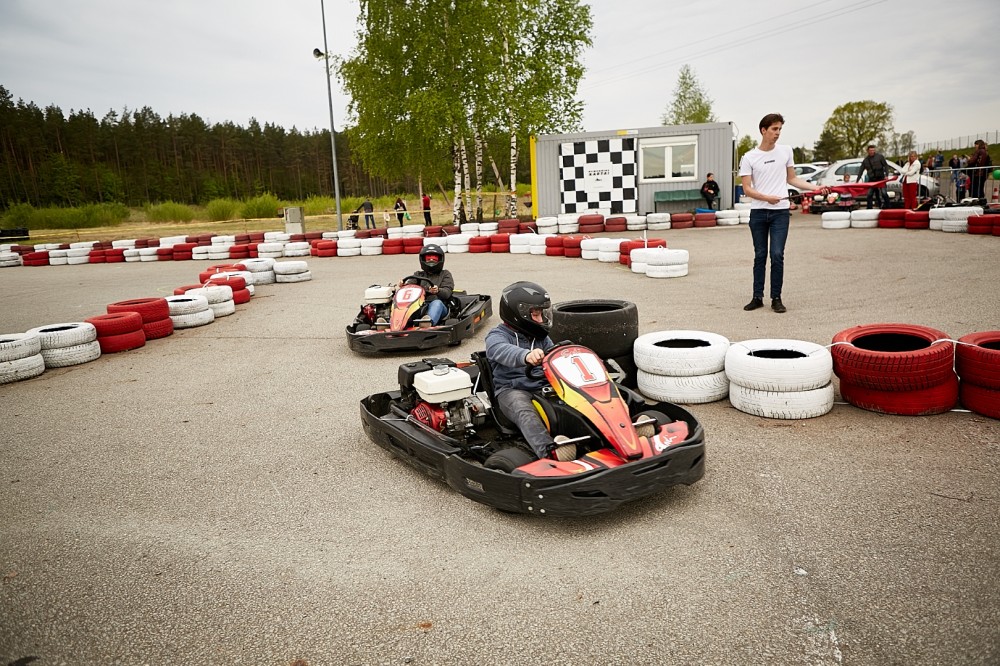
527 227
979 399
112 344
234 281
180 291
572 242
150 309
917 219
978 359
918 402
155 330
499 248
572 252
554 251
116 323
893 357
554 241
590 218
591 228
241 296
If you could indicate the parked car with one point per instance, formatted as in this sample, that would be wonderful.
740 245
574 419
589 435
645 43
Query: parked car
834 175
808 169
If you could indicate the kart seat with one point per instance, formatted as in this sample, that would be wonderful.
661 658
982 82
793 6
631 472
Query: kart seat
460 301
504 424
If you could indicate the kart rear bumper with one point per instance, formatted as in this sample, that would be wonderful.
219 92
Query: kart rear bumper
580 495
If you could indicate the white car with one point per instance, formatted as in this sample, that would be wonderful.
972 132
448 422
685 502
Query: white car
834 175
808 169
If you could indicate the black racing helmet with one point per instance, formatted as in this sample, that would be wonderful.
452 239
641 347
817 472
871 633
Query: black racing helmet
516 304
431 259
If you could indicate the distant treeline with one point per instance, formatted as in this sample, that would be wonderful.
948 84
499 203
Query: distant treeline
136 157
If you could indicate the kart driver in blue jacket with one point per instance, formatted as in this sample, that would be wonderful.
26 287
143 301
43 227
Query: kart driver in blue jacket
512 347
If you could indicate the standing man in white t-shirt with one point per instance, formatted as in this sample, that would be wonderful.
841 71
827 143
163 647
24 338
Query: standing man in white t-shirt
766 171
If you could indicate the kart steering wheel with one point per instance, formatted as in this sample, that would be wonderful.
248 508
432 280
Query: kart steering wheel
419 280
529 369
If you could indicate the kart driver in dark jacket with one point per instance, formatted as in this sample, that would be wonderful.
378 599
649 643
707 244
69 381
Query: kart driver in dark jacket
437 295
521 342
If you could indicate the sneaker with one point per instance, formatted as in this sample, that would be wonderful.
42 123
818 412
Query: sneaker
754 304
562 449
381 320
777 305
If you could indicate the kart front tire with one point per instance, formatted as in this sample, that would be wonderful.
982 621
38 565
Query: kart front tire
509 459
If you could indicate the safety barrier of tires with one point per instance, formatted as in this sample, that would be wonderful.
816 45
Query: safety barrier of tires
864 218
292 271
977 362
835 220
154 312
780 379
72 343
686 367
118 331
899 369
20 357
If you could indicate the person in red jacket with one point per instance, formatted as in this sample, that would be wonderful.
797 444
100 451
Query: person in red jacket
426 203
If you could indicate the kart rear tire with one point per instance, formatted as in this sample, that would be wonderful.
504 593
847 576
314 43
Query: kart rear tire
509 459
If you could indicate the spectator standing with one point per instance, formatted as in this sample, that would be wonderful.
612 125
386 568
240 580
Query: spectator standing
369 209
938 160
911 181
766 171
877 168
426 204
954 164
710 190
961 185
978 166
400 209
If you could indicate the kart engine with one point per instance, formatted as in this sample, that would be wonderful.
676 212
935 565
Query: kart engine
454 418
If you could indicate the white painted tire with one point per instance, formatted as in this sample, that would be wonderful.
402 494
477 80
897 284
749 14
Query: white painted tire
223 309
63 357
782 404
680 353
590 244
693 390
864 215
194 319
657 218
779 365
672 271
186 304
213 293
293 267
836 220
520 249
270 247
955 226
588 254
14 346
661 256
70 334
606 257
258 265
263 277
657 226
294 277
341 252
22 368
638 266
569 228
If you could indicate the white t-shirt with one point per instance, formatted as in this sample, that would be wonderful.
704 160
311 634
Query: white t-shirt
768 171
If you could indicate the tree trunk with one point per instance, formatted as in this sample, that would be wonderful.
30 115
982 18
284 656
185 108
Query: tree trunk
512 199
465 178
456 209
479 176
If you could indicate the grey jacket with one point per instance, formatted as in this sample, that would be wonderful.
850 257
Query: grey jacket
506 349
443 281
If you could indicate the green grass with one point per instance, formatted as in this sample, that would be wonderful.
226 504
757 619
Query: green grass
52 217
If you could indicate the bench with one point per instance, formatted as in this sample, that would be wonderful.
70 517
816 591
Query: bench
667 201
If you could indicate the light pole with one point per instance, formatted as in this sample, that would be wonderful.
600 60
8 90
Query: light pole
325 54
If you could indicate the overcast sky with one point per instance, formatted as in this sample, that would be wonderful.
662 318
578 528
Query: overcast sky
935 62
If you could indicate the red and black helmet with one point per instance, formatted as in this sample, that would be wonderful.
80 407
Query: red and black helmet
431 259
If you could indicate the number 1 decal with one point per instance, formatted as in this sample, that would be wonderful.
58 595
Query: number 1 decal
586 375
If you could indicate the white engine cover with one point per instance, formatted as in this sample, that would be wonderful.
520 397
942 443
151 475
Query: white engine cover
377 294
442 384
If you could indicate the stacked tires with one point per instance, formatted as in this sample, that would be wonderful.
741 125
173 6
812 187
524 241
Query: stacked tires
20 357
154 312
685 367
780 379
896 369
63 345
608 327
295 271
118 332
977 360
190 310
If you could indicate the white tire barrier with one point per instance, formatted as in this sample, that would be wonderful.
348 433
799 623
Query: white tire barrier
293 277
186 304
698 389
782 404
293 267
780 379
53 336
223 309
19 369
63 357
194 319
836 220
14 346
680 353
674 271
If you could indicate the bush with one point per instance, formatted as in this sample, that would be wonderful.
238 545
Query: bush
320 205
85 217
221 210
265 205
169 212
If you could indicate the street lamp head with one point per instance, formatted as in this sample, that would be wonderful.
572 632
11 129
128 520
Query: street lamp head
317 53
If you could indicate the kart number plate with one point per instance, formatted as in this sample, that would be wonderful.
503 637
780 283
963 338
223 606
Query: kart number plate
581 369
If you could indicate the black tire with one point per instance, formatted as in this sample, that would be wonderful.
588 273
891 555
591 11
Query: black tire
608 327
507 460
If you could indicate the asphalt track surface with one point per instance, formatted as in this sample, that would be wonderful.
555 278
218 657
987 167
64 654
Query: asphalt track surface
212 498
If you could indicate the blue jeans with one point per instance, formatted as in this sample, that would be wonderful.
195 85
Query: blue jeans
516 405
766 223
436 310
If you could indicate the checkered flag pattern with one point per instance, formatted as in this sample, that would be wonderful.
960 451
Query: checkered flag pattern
598 175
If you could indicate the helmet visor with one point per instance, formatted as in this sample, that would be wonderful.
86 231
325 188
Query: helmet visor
537 314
